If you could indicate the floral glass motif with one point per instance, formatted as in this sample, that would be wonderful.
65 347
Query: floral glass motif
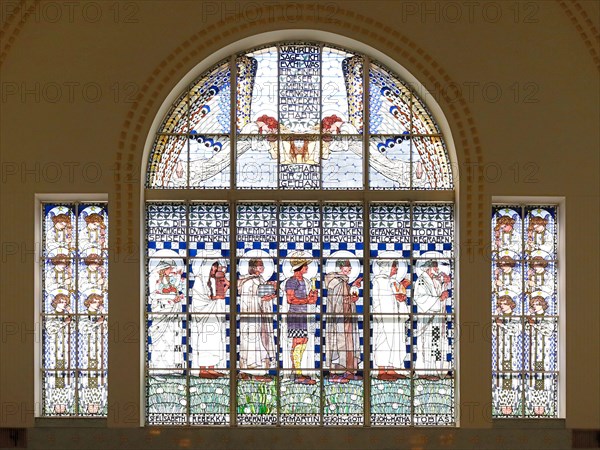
74 309
301 113
288 312
525 311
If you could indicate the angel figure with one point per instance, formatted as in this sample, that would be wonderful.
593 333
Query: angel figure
504 231
61 272
538 234
507 331
59 330
93 328
505 273
540 331
95 229
63 229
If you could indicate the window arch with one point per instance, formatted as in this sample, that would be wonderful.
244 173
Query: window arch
300 261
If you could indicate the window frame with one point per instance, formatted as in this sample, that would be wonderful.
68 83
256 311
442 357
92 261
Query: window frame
38 266
560 202
234 196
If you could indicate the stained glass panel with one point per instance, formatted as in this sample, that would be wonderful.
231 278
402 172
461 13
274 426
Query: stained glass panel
390 230
342 92
74 309
59 393
168 165
390 324
342 162
299 88
412 321
166 228
540 232
343 230
391 399
541 281
343 400
166 399
433 230
525 308
507 281
299 314
303 90
541 395
300 311
256 399
177 119
257 230
257 158
209 230
299 230
507 229
187 313
59 233
434 401
430 165
210 158
93 392
507 394
300 327
209 401
59 279
389 103
389 162
300 404
257 92
299 163
210 101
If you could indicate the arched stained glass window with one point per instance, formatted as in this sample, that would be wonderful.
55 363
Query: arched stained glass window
289 280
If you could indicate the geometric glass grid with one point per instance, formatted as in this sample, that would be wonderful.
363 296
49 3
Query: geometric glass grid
276 332
525 311
300 112
74 309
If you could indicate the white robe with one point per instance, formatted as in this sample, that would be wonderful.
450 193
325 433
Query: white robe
507 334
540 333
58 355
166 333
389 332
431 333
256 332
94 333
543 242
208 331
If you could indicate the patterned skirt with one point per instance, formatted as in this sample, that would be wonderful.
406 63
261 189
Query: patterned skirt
297 325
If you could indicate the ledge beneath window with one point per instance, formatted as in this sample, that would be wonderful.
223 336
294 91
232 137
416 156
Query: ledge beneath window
529 423
70 422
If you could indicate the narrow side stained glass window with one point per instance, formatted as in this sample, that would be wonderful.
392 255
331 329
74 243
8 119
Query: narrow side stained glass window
74 309
525 311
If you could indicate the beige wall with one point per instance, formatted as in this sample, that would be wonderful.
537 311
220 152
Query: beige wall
80 93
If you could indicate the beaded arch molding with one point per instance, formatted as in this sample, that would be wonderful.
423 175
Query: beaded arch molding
428 69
